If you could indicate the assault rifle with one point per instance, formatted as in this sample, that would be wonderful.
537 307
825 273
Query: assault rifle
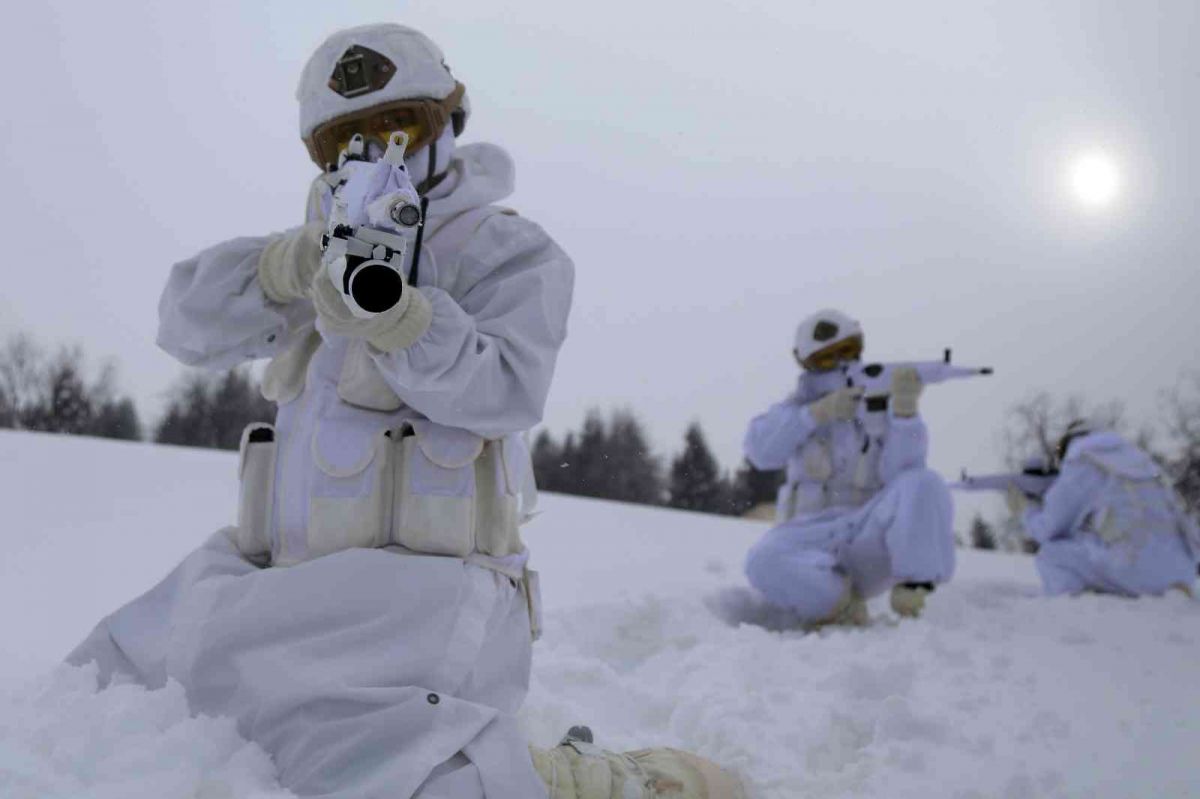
1034 480
876 378
365 263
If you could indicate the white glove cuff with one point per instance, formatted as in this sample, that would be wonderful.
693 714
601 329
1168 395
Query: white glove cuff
409 325
288 263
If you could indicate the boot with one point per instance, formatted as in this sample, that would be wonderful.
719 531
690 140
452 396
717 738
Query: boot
850 611
908 599
578 769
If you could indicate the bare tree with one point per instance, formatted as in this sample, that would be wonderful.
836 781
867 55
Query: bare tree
1182 421
21 380
1034 425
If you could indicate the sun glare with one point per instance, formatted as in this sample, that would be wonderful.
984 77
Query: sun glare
1094 179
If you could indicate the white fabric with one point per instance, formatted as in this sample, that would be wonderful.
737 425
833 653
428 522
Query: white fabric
833 465
903 534
289 262
420 72
363 674
499 288
1109 523
855 504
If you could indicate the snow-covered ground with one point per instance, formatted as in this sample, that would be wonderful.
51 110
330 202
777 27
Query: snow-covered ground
997 692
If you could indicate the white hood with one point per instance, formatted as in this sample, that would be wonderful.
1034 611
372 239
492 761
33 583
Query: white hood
1116 454
479 174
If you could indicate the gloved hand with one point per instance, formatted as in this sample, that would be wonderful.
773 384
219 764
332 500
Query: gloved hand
839 405
394 329
906 389
288 263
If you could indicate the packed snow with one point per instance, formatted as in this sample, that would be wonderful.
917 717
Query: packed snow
996 692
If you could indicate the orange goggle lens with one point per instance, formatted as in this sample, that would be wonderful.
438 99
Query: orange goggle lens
422 119
380 138
823 360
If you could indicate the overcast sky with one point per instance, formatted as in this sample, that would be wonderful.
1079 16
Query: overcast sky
717 171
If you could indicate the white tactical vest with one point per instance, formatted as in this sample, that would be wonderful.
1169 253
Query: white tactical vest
348 464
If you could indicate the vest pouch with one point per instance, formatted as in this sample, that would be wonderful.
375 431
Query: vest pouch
351 487
256 489
434 487
499 485
531 587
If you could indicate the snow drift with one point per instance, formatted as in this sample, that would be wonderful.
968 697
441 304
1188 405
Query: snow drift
997 692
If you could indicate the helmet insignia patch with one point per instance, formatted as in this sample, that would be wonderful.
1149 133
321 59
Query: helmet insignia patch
824 331
360 71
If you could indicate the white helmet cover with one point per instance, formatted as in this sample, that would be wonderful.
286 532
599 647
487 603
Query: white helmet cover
420 72
824 329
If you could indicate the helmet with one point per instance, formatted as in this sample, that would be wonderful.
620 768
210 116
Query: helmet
372 80
826 338
1078 428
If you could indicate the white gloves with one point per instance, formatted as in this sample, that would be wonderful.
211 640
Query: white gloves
840 405
289 262
906 389
394 329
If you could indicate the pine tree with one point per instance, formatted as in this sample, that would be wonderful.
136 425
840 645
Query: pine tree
633 472
606 460
235 402
695 483
591 463
67 405
753 487
568 470
547 462
117 419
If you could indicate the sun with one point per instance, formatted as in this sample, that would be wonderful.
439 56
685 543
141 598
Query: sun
1095 180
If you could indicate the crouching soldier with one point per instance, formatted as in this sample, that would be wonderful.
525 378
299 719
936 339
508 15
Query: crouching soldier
1110 522
859 513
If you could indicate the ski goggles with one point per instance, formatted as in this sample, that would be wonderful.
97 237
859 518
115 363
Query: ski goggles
823 360
423 119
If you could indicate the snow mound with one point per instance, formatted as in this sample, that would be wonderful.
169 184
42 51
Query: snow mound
997 692
60 737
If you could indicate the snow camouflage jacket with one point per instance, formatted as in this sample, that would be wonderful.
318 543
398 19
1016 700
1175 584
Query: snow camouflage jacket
1113 493
500 290
840 465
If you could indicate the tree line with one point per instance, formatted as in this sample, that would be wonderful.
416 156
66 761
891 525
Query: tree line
57 392
610 458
